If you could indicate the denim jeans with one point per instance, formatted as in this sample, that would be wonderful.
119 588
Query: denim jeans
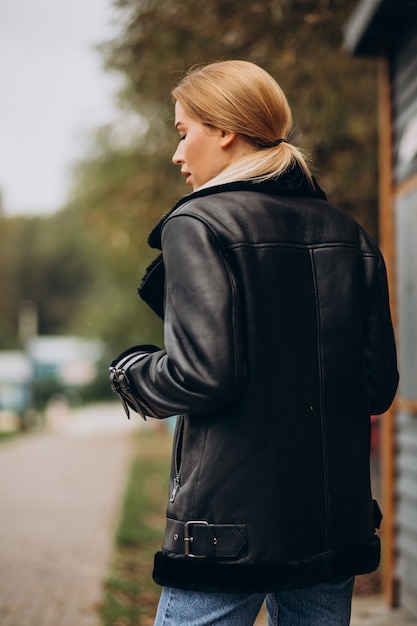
326 604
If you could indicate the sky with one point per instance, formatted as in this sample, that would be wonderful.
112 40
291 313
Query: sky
53 93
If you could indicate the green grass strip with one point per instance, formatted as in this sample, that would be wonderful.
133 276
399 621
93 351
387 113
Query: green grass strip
130 596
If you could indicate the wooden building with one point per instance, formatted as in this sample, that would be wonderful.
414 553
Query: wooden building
387 29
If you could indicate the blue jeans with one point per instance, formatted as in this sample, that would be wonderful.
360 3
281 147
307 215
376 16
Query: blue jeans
326 604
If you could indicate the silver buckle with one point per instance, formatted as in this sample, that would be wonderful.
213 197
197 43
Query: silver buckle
189 539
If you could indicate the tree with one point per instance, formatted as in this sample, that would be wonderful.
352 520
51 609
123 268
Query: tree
118 203
44 261
82 265
298 41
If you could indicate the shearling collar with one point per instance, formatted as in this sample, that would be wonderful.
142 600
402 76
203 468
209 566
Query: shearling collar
293 183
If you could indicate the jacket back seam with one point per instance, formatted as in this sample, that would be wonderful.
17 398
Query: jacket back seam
283 244
301 246
321 399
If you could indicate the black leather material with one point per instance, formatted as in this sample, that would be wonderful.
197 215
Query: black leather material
120 382
199 539
278 347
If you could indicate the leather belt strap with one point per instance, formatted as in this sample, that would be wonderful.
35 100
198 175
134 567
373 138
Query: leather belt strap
199 539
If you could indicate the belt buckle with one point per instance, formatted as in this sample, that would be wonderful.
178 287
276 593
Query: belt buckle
189 539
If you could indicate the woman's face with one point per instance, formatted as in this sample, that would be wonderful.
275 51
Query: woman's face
201 152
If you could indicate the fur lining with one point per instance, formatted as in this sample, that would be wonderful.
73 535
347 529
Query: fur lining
292 182
210 575
151 288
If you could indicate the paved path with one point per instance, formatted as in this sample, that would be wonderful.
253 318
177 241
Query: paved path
60 494
371 611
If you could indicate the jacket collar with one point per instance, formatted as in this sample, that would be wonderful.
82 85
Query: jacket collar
293 183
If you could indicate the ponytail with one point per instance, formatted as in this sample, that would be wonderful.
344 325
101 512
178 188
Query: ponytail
243 98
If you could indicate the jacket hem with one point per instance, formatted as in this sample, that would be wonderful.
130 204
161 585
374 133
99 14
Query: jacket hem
211 575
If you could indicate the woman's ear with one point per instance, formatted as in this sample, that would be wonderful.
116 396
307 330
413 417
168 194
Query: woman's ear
226 138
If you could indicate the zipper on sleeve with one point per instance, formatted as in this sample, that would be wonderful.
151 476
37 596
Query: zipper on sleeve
177 457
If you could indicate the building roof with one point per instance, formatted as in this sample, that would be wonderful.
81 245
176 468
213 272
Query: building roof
375 23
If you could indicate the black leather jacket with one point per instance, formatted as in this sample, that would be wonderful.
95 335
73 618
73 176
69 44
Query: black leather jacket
278 348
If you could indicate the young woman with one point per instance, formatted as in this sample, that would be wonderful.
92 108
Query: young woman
278 347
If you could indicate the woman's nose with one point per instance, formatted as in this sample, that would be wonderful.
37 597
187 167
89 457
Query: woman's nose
177 157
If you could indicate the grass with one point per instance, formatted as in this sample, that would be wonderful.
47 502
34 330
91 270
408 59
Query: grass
130 596
7 436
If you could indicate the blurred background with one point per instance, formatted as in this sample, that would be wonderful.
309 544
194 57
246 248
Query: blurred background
86 140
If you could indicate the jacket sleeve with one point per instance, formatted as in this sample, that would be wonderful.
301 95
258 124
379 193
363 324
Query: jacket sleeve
202 366
379 340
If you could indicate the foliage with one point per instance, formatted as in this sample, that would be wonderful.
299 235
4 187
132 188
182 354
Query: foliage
45 261
82 265
130 594
114 199
298 41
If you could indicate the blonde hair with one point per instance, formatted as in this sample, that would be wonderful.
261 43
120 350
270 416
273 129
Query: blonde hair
241 97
